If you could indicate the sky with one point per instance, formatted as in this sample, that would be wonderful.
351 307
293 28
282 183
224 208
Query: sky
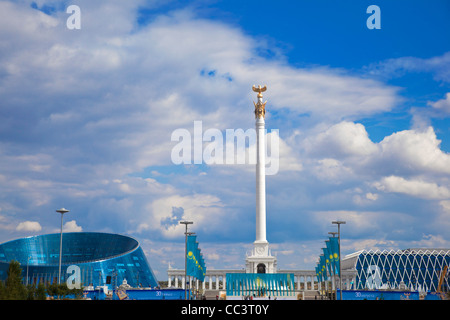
87 117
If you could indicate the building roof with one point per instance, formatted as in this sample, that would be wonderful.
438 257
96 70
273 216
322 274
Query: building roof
77 247
349 261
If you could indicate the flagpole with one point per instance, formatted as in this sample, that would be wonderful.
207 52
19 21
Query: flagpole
334 273
339 242
186 223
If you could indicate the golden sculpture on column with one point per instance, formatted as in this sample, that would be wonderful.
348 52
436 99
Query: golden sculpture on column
260 107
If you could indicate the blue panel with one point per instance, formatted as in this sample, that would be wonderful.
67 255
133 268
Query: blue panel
378 295
165 294
260 284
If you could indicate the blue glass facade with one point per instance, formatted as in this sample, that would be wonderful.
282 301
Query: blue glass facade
102 258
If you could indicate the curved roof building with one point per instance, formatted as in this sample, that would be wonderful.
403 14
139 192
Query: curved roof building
416 269
102 258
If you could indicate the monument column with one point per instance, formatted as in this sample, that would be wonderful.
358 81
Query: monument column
260 168
260 260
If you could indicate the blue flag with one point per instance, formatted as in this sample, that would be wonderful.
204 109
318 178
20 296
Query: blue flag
334 250
328 260
323 268
202 270
190 255
195 264
331 257
318 273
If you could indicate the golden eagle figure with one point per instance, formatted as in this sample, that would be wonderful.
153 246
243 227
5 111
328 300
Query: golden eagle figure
260 107
259 89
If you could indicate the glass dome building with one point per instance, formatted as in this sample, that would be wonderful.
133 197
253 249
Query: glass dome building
102 258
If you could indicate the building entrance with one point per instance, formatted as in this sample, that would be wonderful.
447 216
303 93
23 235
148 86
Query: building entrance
261 268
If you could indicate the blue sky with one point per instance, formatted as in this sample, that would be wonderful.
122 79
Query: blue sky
363 117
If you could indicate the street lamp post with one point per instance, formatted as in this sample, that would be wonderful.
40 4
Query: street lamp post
334 275
185 272
62 211
186 223
339 242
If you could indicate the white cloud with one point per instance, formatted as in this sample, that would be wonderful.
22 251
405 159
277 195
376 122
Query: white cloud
344 154
29 226
166 213
442 105
414 151
371 196
407 151
324 94
341 140
415 188
422 117
71 226
332 171
396 67
431 241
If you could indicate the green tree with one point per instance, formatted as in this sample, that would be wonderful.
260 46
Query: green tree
2 291
62 291
14 289
36 293
31 291
41 292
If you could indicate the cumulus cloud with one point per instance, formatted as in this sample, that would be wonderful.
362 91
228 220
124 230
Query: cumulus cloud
29 226
166 213
408 151
71 226
415 151
344 152
415 188
341 140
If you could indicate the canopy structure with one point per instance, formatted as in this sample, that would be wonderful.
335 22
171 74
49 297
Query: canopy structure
422 269
260 284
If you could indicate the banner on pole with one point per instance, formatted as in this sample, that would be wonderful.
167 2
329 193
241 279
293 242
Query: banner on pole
195 263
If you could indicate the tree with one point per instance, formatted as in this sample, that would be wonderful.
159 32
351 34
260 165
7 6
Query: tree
14 288
62 291
40 293
36 293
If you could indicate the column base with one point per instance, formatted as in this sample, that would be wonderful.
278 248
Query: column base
260 259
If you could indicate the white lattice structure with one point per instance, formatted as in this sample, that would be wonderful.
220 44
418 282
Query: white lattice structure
415 269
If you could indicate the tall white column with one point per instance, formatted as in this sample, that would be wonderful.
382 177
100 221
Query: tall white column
260 259
260 180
